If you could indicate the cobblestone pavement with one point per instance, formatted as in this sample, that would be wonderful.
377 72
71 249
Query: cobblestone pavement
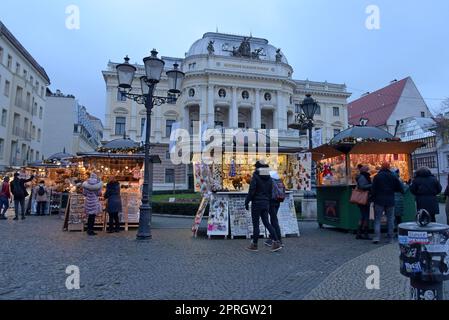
35 253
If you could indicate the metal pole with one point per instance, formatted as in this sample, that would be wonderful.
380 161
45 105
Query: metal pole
144 232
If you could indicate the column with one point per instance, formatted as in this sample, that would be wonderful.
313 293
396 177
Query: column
257 111
210 106
108 116
281 112
203 105
234 114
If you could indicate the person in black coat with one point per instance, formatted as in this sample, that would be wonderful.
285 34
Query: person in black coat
364 183
260 194
113 204
446 193
19 192
385 185
425 187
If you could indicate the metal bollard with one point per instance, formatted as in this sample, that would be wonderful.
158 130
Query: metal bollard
424 256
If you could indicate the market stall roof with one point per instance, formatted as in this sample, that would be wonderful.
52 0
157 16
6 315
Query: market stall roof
123 143
325 151
60 156
42 164
362 132
107 155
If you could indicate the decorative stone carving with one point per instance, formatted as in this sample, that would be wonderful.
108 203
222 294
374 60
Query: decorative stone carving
278 55
210 47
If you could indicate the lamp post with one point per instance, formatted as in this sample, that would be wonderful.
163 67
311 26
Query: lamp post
304 121
153 70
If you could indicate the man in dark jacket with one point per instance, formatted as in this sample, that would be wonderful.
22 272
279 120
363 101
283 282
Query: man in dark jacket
19 192
259 194
425 187
385 184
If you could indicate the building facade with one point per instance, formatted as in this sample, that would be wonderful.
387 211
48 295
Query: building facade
23 84
77 130
231 82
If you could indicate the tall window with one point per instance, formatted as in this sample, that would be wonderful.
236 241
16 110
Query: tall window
9 64
42 91
168 127
39 135
169 175
423 114
4 116
7 88
336 111
142 126
31 80
2 147
25 74
28 101
120 96
41 111
1 55
447 158
18 68
120 126
37 155
19 94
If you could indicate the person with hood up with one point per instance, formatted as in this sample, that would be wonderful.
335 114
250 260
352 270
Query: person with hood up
259 194
113 204
364 183
425 187
92 192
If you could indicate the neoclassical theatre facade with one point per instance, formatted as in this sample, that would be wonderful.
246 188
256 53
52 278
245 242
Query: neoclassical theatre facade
231 82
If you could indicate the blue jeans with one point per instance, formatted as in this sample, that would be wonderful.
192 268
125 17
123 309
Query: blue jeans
4 204
378 211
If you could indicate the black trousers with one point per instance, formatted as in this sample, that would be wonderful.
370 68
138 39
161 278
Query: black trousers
261 211
274 208
90 222
41 206
114 220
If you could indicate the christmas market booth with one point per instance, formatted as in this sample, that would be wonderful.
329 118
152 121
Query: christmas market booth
337 170
225 185
122 159
59 176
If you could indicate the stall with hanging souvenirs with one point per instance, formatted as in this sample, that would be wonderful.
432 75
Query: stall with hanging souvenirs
337 171
121 159
224 185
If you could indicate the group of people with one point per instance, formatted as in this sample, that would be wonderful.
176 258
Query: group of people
266 193
385 192
92 190
16 191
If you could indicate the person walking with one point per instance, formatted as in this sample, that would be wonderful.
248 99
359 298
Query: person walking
113 204
41 197
19 192
5 196
364 183
385 184
425 187
259 195
278 196
92 192
446 193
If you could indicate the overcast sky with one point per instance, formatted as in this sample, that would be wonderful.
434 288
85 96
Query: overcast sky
322 39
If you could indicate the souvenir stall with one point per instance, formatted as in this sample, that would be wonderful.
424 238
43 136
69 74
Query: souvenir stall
224 187
337 170
121 159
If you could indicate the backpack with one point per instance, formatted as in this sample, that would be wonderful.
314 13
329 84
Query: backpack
278 193
41 191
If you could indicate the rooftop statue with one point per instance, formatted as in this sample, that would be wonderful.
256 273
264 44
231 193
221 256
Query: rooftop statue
210 47
244 50
278 55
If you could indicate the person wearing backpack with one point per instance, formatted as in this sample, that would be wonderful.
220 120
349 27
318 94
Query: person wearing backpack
41 197
278 196
19 192
5 195
260 194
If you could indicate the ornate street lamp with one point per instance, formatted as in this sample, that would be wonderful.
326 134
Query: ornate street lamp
153 70
304 121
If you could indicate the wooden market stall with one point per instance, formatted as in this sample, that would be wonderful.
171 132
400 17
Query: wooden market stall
337 170
225 184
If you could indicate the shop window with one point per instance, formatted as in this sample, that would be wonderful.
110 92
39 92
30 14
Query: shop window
169 175
120 126
222 93
336 111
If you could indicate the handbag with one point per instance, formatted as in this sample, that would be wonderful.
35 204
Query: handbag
359 197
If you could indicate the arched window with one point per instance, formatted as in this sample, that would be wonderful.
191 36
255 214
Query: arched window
191 93
267 96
